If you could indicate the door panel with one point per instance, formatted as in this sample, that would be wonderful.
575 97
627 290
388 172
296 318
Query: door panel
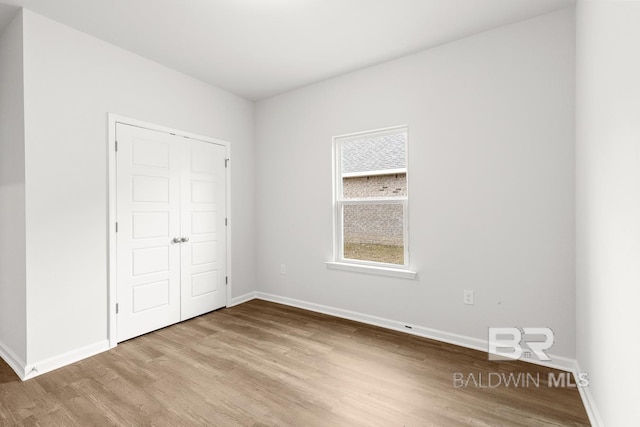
150 188
203 192
204 283
204 222
148 215
150 295
203 253
150 224
150 260
203 183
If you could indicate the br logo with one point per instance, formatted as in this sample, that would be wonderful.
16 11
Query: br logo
514 343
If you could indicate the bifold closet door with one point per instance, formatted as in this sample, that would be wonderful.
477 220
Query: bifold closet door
171 236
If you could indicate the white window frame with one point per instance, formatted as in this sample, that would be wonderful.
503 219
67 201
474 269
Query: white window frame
340 262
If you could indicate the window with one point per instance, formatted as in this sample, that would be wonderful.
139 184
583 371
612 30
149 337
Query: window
371 199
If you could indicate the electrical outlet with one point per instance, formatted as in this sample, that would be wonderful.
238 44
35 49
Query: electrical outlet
283 269
468 297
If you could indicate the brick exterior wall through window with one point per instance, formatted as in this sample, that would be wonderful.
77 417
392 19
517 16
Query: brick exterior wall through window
380 224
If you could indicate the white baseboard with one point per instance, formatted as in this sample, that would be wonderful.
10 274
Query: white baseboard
242 298
450 338
17 364
47 365
589 402
557 362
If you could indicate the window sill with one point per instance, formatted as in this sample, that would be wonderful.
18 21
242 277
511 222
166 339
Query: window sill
370 269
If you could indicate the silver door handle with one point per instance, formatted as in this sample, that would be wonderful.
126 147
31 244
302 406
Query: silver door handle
176 240
184 239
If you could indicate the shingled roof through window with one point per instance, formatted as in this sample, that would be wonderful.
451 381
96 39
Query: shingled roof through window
374 154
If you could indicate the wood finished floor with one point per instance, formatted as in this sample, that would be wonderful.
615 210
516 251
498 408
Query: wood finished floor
265 364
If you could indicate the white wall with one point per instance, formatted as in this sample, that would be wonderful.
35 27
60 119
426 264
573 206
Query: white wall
13 317
608 205
72 81
491 125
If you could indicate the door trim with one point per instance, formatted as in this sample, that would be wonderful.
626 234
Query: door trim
112 120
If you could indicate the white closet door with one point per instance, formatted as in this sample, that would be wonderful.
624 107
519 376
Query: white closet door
203 208
171 239
148 216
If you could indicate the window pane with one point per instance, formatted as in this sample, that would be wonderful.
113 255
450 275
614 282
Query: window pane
374 232
394 185
374 153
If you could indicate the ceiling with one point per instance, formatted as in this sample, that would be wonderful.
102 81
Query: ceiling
259 48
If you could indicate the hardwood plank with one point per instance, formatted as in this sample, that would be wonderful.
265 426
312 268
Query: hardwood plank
265 364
